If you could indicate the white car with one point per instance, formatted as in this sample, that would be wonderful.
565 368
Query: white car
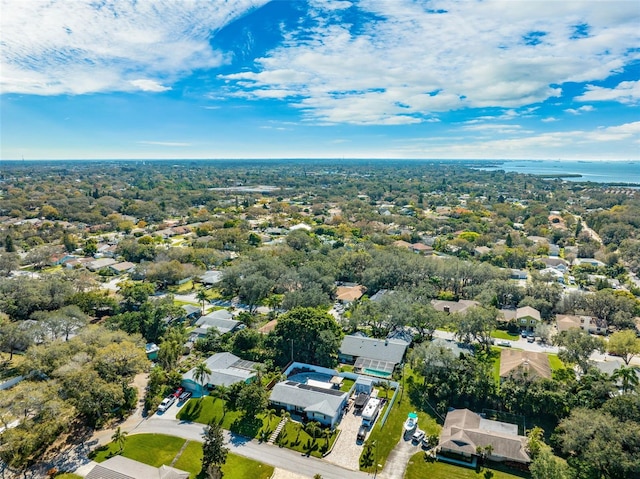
417 436
166 403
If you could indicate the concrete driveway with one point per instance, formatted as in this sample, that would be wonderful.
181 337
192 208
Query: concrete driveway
346 452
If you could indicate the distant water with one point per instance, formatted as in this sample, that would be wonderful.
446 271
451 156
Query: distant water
596 171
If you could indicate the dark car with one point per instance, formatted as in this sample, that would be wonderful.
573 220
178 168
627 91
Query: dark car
362 433
184 396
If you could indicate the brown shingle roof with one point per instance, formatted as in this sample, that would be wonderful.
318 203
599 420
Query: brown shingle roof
464 431
534 364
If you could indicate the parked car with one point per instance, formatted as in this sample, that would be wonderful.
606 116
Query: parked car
166 403
417 436
362 433
178 392
531 339
184 396
504 344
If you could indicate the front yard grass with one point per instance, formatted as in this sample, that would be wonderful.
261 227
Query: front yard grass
207 409
386 437
346 385
293 436
152 449
147 448
500 334
418 468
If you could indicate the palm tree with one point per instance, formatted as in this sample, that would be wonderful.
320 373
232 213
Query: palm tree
222 393
628 378
327 433
271 413
201 374
119 437
202 297
312 428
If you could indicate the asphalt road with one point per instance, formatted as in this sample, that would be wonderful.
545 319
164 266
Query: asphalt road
273 455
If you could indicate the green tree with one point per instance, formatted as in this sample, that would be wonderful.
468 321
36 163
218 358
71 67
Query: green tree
309 335
547 466
253 399
625 344
9 246
119 437
201 374
202 297
627 377
577 345
599 445
214 454
476 325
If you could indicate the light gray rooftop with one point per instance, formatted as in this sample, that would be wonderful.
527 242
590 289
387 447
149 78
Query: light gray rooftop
389 350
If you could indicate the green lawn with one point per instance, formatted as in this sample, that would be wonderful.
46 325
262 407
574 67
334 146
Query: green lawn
152 449
158 449
387 437
418 468
210 409
293 436
556 362
500 334
68 475
346 385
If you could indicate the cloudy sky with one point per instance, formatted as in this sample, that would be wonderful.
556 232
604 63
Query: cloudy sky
320 79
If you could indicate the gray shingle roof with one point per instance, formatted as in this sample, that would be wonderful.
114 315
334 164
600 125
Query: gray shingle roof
226 369
221 320
119 467
312 399
390 350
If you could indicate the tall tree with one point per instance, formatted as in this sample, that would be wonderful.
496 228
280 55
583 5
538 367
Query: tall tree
309 335
202 297
214 454
628 378
625 344
119 437
201 374
576 347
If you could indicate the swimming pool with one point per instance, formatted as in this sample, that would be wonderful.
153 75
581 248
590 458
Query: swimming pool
304 378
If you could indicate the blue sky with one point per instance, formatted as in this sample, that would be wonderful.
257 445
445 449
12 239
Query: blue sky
320 79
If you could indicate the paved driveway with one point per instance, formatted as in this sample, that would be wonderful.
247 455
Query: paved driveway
346 452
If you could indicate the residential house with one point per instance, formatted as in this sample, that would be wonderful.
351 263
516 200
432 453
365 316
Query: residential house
191 311
98 264
421 248
374 357
312 402
124 267
209 278
460 306
526 317
553 274
519 274
349 294
590 324
465 431
588 261
554 250
516 362
226 369
221 319
556 263
481 251
120 467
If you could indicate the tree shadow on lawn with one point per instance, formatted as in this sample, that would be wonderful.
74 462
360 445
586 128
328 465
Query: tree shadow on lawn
191 411
310 446
247 426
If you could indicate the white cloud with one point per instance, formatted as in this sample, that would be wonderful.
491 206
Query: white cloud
613 142
83 46
582 109
149 85
164 143
625 92
411 63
